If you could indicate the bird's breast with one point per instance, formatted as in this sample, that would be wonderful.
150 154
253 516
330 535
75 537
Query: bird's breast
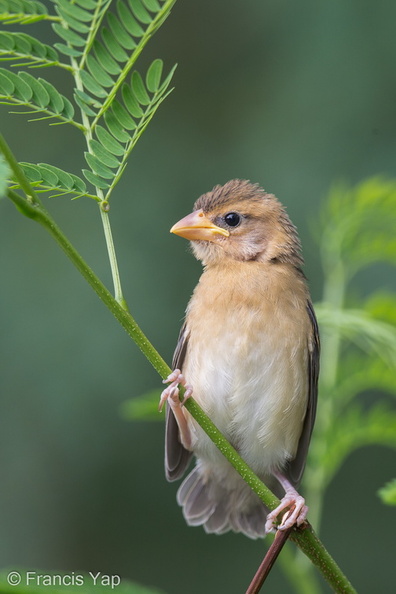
247 363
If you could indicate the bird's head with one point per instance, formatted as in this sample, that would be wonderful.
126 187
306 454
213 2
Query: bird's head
240 221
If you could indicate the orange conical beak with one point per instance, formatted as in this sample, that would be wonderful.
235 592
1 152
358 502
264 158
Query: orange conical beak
197 226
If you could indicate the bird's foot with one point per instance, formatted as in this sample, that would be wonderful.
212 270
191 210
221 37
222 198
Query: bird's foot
171 393
295 514
293 502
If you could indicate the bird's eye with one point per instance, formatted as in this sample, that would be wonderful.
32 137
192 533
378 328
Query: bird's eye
232 219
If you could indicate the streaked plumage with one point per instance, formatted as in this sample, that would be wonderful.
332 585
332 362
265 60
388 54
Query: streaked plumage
249 348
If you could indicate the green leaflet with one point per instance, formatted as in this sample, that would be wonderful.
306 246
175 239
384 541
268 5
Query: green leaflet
152 5
67 50
7 87
115 129
95 180
128 21
77 26
131 102
105 60
139 89
91 85
112 45
88 4
40 94
101 153
69 35
124 36
97 72
84 101
109 142
49 178
98 167
153 76
139 11
21 91
121 114
23 12
77 13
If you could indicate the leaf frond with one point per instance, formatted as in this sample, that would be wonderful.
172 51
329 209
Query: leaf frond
23 12
357 428
361 328
357 224
48 178
125 122
18 47
38 95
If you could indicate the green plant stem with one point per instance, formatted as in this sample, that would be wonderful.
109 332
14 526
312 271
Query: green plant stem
302 580
304 538
118 295
31 196
103 204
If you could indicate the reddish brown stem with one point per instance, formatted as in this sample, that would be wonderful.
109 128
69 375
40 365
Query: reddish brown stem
268 561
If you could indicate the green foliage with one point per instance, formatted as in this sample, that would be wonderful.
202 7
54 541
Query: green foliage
23 12
388 493
362 227
114 102
4 173
46 178
26 50
359 342
144 407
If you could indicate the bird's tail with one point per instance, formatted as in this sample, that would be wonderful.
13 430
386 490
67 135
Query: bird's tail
207 502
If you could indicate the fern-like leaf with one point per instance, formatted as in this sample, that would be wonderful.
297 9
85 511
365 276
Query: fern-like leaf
26 50
23 12
357 428
359 223
360 328
78 26
125 122
47 178
106 58
358 374
37 95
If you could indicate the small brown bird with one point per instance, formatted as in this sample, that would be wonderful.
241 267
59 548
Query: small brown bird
249 353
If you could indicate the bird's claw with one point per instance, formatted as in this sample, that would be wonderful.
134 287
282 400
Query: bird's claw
171 393
295 515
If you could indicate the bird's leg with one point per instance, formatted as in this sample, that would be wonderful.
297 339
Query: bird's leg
171 394
292 501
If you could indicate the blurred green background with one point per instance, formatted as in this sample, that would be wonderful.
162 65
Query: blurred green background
291 95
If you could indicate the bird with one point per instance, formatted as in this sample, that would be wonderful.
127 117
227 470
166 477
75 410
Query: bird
248 352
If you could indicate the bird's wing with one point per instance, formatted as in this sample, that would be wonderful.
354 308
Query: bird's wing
177 458
296 466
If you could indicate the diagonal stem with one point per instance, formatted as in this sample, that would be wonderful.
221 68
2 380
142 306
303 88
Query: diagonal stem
268 561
